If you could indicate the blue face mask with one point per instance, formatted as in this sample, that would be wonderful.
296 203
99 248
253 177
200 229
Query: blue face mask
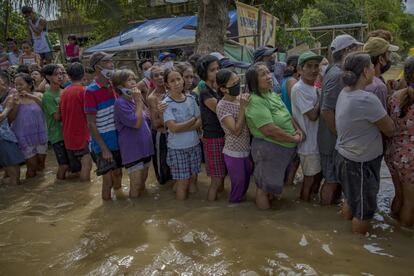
147 74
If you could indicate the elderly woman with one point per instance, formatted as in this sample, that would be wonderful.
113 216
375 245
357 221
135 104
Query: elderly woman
275 134
400 154
360 119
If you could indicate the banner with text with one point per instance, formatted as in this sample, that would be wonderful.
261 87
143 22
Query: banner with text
268 29
247 22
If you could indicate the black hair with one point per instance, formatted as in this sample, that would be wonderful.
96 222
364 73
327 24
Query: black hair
408 74
27 10
193 59
182 67
354 66
222 77
26 42
375 60
71 36
35 67
23 68
76 71
203 64
49 70
11 39
168 71
142 62
27 78
291 66
4 76
252 77
409 69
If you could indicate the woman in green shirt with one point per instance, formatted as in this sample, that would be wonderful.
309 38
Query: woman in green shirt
275 134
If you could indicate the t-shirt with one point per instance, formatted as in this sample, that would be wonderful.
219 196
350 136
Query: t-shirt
99 101
50 103
211 124
285 94
359 139
181 112
266 109
304 99
14 58
379 89
234 146
6 132
332 85
134 143
75 126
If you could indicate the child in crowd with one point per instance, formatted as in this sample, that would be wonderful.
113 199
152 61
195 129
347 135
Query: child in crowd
182 118
213 134
28 57
134 133
75 127
10 154
39 81
50 101
159 133
230 111
72 49
29 125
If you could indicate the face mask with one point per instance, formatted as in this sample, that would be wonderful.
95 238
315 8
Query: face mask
234 90
323 69
125 91
147 74
168 65
386 67
107 73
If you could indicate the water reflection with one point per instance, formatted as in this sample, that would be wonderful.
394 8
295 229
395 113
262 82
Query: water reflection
63 228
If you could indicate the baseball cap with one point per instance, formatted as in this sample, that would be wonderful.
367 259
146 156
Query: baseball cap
308 55
262 52
343 41
376 46
164 55
99 56
218 55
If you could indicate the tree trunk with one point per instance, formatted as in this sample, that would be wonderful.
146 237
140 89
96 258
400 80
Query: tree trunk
7 11
212 25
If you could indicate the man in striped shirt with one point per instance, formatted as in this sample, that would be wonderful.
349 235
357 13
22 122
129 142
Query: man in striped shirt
99 109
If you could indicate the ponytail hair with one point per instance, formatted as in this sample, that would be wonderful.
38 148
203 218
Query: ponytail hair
354 66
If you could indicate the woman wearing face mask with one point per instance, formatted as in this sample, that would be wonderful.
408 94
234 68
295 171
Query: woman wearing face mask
29 125
134 134
360 119
230 111
399 151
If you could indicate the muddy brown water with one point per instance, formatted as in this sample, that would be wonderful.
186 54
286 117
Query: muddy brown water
50 227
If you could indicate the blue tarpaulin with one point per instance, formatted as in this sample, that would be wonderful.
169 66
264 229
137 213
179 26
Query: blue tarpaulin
156 34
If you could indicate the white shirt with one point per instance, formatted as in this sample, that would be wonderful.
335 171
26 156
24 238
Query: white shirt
304 99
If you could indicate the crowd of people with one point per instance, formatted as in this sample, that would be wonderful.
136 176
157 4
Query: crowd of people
335 121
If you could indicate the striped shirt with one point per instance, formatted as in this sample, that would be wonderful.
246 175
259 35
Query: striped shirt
99 101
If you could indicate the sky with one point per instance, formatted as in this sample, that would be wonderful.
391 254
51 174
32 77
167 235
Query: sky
410 6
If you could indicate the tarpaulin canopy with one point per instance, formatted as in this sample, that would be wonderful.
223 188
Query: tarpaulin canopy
156 34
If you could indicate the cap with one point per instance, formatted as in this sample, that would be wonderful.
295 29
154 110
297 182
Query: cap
218 55
343 41
226 63
309 55
164 55
262 52
99 56
376 46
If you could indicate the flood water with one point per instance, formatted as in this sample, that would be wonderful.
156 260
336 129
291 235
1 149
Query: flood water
50 227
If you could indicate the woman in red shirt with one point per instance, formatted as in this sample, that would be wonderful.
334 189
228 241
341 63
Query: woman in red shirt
72 49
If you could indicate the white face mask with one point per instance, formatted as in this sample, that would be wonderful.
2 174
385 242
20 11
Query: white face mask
323 69
168 65
107 73
147 74
125 91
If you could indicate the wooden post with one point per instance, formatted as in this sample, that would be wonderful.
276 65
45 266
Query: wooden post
258 39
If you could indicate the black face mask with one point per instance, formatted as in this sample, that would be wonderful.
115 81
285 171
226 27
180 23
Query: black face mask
234 90
386 67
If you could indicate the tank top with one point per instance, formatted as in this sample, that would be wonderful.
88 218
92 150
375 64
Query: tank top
70 50
41 42
28 60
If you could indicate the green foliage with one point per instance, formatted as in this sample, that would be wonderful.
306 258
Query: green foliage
16 25
312 17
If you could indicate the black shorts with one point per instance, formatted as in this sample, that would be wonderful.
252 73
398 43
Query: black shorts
360 183
144 160
103 166
61 153
75 157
